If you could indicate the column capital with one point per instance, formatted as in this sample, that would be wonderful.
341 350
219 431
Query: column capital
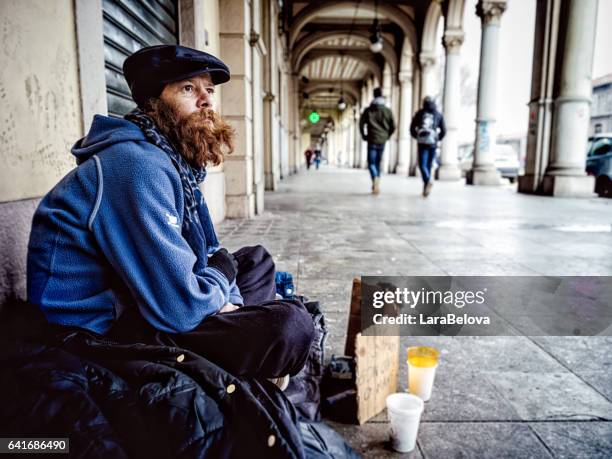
427 60
452 40
490 11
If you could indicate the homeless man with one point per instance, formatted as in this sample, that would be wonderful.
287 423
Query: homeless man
124 245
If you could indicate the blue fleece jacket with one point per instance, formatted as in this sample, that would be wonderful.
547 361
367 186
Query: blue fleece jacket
108 237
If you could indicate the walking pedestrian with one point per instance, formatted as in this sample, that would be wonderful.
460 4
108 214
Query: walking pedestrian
317 156
379 125
428 128
308 155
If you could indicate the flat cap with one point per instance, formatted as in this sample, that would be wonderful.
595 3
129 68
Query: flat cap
149 69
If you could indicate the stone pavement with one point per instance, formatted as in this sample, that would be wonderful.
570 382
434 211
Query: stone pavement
494 396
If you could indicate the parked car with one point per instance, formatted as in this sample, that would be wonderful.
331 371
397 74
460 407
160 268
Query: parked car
505 158
599 163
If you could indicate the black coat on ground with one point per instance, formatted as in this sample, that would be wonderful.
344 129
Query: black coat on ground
138 400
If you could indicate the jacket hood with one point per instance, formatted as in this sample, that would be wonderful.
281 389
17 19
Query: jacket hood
429 105
378 101
104 132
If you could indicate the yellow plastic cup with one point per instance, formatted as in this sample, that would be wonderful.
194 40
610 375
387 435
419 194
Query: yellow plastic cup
422 364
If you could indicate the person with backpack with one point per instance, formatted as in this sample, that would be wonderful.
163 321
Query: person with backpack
428 128
380 126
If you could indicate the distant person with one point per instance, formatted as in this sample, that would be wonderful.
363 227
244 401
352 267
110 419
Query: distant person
428 128
317 157
308 155
380 125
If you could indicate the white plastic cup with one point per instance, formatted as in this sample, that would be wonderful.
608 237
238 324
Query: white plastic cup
422 364
404 413
420 381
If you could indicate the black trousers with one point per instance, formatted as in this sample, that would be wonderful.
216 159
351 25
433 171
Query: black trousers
265 338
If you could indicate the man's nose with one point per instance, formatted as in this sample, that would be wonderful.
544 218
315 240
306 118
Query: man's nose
205 100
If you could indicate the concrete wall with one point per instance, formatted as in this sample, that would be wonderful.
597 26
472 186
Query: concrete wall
40 119
39 90
14 235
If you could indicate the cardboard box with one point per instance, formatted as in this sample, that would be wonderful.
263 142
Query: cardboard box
376 362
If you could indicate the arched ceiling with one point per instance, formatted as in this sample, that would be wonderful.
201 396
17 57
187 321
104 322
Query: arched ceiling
324 91
338 41
355 12
329 41
352 65
330 45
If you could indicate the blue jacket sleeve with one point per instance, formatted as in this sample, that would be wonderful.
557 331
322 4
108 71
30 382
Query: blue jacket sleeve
138 227
235 297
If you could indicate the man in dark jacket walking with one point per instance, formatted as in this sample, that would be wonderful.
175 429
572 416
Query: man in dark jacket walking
376 125
124 246
428 128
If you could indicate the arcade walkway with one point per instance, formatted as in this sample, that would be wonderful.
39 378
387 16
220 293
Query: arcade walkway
494 396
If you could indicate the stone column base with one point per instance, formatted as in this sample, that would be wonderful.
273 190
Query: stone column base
486 177
242 206
271 181
529 183
259 197
448 172
569 186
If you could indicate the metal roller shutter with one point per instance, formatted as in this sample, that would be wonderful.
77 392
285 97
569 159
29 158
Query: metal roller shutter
128 26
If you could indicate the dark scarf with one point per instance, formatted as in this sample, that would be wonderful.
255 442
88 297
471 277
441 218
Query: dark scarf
197 227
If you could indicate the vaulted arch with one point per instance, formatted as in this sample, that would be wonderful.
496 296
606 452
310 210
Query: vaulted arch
392 12
453 15
351 90
430 28
362 56
312 41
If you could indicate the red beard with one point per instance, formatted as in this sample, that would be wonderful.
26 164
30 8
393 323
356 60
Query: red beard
202 138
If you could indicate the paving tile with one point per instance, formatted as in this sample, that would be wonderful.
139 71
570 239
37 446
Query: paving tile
569 266
579 353
468 253
480 440
349 266
564 324
576 440
492 267
463 395
333 294
440 239
550 396
508 353
600 380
